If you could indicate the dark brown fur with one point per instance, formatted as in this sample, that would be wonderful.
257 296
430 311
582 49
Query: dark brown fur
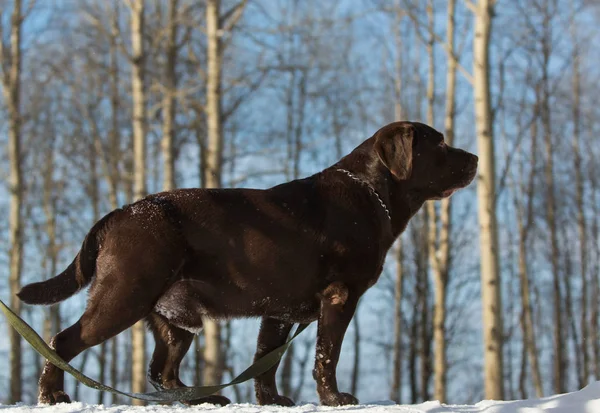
302 251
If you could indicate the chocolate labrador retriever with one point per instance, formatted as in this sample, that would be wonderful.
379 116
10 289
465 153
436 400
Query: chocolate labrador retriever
301 251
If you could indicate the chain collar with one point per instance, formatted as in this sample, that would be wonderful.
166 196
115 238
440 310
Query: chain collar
371 190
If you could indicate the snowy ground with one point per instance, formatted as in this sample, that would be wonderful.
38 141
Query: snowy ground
584 401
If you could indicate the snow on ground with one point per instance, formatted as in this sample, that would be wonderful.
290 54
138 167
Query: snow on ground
584 401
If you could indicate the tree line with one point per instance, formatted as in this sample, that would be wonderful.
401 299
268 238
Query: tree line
493 293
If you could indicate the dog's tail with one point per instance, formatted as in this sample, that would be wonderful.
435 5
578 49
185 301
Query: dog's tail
77 275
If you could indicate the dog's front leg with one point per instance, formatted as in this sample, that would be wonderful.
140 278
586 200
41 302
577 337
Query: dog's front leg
273 334
337 309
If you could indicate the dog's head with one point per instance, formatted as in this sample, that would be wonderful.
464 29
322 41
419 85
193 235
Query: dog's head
417 154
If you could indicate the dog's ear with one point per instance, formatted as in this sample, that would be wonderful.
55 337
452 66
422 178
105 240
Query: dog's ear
394 149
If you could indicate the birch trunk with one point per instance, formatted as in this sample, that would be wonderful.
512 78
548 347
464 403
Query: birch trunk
527 323
523 373
114 140
52 321
424 337
94 196
49 264
431 67
138 333
213 358
114 370
396 391
558 339
398 112
595 299
571 319
11 87
440 256
486 193
114 174
581 221
425 334
431 221
529 340
169 102
412 355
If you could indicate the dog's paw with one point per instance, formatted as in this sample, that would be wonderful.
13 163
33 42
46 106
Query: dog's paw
61 397
339 399
214 399
53 397
283 401
276 400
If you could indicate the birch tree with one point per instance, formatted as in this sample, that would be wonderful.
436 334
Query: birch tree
583 377
559 359
430 214
440 244
169 101
214 159
138 332
49 205
11 87
396 388
595 287
486 192
216 26
524 206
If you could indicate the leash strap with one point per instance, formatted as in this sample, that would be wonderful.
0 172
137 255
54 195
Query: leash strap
261 366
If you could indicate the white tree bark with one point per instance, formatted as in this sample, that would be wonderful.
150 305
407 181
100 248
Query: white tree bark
213 357
398 14
138 332
486 193
525 223
431 211
396 389
595 280
11 82
440 257
581 219
560 358
169 102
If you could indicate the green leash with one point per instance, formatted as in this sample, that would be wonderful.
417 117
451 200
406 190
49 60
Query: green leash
185 393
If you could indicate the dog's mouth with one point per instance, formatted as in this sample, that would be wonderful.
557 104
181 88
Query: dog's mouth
447 193
462 184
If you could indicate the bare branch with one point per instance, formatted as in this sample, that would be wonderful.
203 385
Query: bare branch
240 99
468 76
115 32
232 16
30 7
129 3
471 6
3 56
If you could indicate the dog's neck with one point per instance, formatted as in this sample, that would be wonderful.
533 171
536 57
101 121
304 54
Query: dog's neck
396 195
372 190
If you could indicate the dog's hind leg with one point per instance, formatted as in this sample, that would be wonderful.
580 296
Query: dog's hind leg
171 345
98 323
273 334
